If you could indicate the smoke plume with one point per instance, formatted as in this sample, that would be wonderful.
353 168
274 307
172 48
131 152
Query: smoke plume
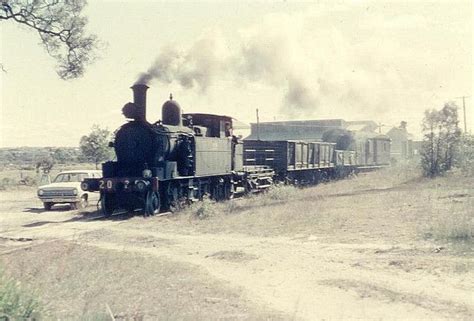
195 67
261 54
305 58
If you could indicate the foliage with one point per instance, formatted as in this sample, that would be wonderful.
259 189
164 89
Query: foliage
63 155
61 28
466 154
15 303
95 146
29 156
44 164
204 209
280 193
441 140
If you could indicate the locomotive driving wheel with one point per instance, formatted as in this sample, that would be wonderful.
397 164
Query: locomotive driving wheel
152 203
175 200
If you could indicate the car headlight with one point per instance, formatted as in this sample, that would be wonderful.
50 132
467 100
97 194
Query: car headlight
146 173
40 192
74 191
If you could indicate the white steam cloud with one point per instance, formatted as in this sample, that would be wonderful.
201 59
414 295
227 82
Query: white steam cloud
307 59
263 53
195 67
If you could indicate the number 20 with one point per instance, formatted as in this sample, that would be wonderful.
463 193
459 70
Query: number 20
103 184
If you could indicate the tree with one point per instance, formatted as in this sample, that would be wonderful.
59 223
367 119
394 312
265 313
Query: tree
45 164
62 155
95 146
441 140
61 28
465 157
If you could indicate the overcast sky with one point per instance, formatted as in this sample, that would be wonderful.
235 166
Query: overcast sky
383 61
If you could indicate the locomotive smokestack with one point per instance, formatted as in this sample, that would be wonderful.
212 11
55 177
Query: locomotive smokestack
139 99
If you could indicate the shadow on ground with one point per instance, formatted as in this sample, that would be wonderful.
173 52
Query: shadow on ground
85 217
40 210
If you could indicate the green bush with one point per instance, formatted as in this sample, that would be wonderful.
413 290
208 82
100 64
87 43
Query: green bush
465 157
280 194
203 209
441 140
15 303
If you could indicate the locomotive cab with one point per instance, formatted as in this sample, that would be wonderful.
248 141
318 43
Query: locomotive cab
215 125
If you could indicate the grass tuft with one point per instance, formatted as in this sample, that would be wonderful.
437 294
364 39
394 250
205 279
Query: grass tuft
15 303
457 227
203 209
280 194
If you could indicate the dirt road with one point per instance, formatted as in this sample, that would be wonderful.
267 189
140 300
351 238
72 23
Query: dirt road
298 277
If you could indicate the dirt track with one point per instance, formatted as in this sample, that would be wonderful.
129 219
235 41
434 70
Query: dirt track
297 277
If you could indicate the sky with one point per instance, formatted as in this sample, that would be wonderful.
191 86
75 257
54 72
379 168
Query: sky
355 60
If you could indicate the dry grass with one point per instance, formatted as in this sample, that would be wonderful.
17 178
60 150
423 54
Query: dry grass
394 205
395 218
78 283
452 217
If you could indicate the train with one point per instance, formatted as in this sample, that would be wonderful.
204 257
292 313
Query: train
184 156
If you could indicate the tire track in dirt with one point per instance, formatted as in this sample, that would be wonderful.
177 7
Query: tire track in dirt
300 278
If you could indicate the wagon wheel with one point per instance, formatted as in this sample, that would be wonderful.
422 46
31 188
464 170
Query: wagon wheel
229 190
175 202
107 204
152 203
220 191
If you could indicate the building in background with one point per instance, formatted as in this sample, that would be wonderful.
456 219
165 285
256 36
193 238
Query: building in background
403 147
360 136
306 130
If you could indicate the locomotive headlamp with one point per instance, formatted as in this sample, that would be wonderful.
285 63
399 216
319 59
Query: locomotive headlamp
40 192
146 173
141 185
84 186
74 191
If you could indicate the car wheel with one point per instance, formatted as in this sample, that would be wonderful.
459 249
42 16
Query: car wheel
83 202
48 205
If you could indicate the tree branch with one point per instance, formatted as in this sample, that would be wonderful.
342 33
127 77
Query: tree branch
61 29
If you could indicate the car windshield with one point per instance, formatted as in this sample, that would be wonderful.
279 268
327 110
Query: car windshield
70 177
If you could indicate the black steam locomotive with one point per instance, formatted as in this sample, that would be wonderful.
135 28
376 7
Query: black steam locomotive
186 156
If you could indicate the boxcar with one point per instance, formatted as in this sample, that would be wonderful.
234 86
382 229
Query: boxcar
294 160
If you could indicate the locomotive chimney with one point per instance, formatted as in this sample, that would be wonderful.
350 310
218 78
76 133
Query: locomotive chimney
139 99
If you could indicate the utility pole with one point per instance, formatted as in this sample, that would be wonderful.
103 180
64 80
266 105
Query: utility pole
380 127
258 126
464 110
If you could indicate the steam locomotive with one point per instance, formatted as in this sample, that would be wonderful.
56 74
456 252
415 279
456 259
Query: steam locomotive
185 156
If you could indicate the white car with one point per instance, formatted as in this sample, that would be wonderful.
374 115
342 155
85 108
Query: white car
66 188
